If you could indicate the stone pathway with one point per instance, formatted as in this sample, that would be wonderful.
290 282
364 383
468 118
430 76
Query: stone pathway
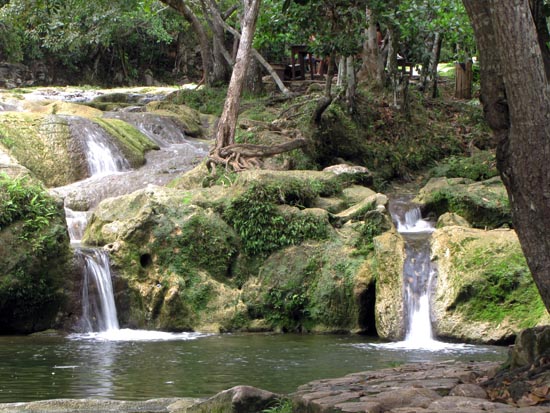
414 388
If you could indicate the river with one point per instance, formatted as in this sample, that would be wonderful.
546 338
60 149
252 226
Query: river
38 367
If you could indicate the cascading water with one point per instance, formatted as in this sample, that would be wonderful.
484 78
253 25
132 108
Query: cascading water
98 310
102 155
418 274
105 164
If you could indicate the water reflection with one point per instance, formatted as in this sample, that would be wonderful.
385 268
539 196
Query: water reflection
33 368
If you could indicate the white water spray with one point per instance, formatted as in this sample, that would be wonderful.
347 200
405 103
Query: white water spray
98 303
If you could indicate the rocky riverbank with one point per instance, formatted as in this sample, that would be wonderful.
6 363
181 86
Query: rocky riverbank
413 388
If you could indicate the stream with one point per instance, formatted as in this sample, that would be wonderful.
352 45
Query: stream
38 367
104 361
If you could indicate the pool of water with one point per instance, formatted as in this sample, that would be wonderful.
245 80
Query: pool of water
36 368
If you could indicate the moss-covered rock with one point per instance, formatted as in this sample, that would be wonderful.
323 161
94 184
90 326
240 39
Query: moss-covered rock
132 143
387 265
483 204
480 166
43 144
312 287
189 119
484 290
175 258
34 257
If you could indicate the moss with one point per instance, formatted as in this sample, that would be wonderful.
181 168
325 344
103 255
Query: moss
382 139
263 228
478 167
39 142
500 285
484 205
131 141
307 288
188 118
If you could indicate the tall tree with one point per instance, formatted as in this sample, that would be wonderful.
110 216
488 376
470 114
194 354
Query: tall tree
515 91
225 134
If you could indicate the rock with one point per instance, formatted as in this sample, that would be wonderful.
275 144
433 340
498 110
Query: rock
357 193
465 404
484 204
469 390
484 291
416 388
530 345
352 173
239 399
389 250
14 75
358 211
449 219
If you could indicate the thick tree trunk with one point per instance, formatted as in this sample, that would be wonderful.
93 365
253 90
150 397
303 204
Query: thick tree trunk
517 104
225 134
372 68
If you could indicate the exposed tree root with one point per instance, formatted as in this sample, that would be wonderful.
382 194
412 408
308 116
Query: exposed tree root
243 156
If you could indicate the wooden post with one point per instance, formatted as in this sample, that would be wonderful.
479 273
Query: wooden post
464 79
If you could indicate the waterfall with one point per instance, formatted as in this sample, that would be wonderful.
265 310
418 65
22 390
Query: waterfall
418 273
102 155
98 303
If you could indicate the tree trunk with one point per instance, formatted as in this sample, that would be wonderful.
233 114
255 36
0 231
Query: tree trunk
225 134
204 41
434 62
506 33
261 60
372 69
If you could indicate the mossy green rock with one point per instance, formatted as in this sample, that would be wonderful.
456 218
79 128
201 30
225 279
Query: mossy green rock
483 204
35 257
484 292
387 265
43 144
315 287
173 256
188 118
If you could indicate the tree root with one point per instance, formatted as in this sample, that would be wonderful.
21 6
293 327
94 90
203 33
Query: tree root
244 156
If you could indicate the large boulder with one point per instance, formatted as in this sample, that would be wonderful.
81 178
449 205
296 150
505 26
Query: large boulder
483 204
173 260
484 290
316 287
35 257
252 255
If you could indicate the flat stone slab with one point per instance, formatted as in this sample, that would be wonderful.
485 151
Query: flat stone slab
413 388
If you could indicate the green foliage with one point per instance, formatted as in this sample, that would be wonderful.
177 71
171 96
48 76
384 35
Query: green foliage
374 224
21 200
208 100
384 141
263 228
35 250
283 405
478 167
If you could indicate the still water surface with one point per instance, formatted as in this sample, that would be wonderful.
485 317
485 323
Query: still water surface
36 368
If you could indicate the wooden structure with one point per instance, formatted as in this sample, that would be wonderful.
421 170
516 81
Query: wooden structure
464 80
301 51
